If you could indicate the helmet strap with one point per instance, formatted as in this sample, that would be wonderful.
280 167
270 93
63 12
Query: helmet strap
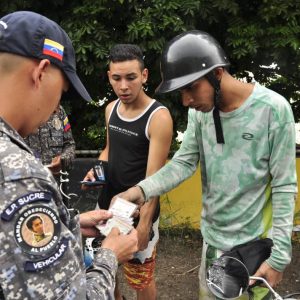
212 79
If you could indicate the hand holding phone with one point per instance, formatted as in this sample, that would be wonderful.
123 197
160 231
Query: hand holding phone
93 183
95 177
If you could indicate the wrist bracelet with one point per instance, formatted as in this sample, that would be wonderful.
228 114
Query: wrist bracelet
143 193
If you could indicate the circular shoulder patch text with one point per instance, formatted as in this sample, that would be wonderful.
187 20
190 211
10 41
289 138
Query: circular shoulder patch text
37 230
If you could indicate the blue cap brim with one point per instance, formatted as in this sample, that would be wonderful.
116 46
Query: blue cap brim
77 84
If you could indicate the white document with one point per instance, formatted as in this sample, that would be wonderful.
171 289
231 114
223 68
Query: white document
122 211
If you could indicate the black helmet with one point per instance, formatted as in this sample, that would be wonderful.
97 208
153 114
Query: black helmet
188 57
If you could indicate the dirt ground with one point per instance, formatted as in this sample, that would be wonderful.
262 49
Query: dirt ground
178 260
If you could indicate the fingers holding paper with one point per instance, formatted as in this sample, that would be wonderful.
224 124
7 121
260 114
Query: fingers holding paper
90 219
122 212
117 225
134 194
124 246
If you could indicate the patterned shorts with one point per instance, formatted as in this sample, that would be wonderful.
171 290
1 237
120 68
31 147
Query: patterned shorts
139 271
139 275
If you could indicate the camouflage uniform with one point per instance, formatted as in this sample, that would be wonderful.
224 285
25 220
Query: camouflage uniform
52 139
54 270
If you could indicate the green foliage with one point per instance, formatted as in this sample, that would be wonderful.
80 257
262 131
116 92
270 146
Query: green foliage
253 33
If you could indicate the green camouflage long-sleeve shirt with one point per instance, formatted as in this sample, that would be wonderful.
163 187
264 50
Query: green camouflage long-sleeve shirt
248 183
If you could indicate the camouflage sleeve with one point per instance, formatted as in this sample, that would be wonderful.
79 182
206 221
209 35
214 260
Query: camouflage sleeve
68 151
41 254
284 188
283 212
101 276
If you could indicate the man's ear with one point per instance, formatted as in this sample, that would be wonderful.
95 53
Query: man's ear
219 72
39 72
145 76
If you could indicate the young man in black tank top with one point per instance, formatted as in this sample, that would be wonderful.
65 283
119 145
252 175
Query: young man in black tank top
139 134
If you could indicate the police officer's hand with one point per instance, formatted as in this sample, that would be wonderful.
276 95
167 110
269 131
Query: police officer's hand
89 219
122 245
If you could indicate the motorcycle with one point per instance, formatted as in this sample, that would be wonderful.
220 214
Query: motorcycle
228 278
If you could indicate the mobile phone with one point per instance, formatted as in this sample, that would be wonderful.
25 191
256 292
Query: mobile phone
92 183
99 172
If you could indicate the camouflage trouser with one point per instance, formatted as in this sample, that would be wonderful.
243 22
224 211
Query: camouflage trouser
209 254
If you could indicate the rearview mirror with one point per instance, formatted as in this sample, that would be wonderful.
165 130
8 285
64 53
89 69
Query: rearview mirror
227 278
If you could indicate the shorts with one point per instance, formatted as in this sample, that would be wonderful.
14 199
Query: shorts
209 254
139 271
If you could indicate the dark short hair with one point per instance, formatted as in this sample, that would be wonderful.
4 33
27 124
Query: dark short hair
31 220
124 52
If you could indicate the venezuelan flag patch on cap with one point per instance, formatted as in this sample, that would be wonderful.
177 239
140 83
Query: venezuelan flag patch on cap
53 49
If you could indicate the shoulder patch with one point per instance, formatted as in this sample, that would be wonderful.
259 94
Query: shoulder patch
67 124
11 209
37 230
34 266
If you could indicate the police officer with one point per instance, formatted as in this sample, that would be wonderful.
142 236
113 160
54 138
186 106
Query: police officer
243 136
37 63
53 143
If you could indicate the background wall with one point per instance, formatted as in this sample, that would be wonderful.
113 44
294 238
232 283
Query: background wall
181 206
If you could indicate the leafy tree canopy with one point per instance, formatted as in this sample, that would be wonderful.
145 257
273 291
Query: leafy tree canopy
255 34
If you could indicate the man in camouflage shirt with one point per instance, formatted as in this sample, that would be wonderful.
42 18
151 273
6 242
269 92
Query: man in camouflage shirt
243 136
53 143
37 63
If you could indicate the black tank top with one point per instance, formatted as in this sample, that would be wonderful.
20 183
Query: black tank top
128 151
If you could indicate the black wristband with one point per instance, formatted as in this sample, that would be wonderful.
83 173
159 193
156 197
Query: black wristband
143 193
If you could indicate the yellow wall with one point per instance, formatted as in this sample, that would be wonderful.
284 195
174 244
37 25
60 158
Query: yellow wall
297 208
183 204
